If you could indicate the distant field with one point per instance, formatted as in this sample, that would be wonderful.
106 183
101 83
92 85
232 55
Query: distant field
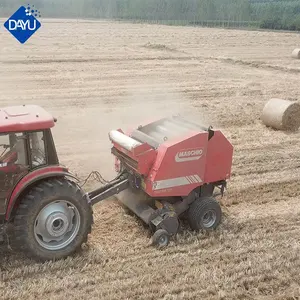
96 76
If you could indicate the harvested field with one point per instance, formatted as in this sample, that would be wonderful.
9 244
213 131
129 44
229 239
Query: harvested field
97 76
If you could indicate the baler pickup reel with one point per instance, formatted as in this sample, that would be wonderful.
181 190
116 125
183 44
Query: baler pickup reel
168 170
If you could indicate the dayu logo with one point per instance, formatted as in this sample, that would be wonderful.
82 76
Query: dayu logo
23 23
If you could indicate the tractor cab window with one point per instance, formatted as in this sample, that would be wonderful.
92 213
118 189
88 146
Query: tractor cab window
13 149
13 164
37 149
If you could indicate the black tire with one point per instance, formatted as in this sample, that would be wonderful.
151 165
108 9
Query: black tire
26 224
160 238
204 214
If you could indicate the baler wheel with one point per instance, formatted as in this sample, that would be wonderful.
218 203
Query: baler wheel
53 220
204 213
160 238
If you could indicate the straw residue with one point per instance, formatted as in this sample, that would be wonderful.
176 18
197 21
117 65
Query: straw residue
281 114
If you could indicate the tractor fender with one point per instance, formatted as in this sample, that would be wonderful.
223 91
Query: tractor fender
32 178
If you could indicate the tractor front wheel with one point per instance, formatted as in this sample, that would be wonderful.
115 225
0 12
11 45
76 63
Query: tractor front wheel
53 220
204 213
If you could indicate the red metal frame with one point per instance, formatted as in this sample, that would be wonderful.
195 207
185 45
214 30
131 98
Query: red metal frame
10 156
144 155
180 165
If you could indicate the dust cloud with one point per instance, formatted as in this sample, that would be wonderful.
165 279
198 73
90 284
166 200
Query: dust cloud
143 102
152 100
139 103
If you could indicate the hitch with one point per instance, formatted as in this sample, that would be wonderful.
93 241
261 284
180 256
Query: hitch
114 187
222 186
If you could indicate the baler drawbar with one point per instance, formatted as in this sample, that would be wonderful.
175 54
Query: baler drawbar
110 189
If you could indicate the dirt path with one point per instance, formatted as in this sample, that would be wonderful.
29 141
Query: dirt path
97 76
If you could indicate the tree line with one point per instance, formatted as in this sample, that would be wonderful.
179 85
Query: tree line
272 14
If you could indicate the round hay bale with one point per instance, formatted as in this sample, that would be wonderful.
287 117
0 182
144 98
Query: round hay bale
281 114
296 53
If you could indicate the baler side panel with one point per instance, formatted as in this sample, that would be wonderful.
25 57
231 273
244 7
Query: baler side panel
145 161
179 168
218 158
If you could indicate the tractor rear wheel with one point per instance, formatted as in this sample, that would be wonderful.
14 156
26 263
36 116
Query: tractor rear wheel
204 213
53 220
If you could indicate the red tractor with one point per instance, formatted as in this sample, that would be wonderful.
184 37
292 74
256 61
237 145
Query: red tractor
168 169
40 198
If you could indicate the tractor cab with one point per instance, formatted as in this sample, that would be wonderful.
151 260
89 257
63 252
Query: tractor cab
26 144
